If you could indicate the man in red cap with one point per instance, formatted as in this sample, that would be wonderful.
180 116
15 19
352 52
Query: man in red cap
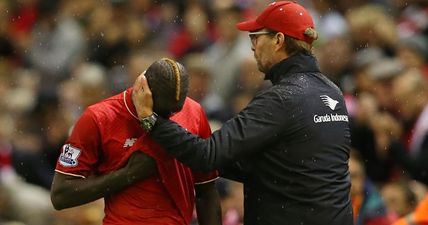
290 145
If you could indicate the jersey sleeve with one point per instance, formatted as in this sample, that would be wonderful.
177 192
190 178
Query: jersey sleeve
80 152
204 132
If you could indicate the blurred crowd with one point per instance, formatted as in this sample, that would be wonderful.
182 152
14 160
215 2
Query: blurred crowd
58 56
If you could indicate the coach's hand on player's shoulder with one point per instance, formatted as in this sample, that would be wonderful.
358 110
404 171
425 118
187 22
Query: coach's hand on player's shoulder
139 166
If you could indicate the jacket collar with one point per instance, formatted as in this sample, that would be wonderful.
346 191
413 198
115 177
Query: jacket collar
298 63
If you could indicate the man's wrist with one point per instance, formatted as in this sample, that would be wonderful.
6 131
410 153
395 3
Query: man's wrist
148 122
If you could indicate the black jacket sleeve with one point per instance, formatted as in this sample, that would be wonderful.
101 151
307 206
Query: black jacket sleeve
235 171
256 126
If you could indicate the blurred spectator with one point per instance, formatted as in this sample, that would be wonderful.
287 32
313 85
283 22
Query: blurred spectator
162 20
413 53
57 44
413 19
249 78
195 34
200 79
138 62
6 44
410 92
91 79
328 21
361 62
377 165
232 204
19 200
106 29
418 216
335 68
374 75
27 203
24 16
382 73
226 54
399 198
370 25
367 204
27 158
55 125
21 91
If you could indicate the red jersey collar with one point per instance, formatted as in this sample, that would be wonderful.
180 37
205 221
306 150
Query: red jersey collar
129 104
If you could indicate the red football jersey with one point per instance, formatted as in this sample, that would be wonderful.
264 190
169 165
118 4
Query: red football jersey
103 139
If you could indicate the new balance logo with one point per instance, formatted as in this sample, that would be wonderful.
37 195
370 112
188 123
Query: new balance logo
329 102
129 142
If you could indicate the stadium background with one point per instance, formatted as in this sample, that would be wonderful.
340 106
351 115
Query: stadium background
58 56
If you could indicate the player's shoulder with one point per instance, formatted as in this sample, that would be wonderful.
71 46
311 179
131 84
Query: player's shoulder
191 105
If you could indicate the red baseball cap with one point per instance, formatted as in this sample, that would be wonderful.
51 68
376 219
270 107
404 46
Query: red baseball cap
286 17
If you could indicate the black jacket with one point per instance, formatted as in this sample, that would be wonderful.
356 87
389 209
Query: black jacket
289 146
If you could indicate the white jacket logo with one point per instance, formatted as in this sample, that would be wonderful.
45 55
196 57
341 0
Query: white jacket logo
330 117
331 103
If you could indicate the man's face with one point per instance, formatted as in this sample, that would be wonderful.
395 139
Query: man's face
262 46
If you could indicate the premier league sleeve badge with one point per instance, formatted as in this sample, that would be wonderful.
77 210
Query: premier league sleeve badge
69 156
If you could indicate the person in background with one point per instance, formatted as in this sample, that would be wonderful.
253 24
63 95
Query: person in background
399 197
367 203
103 159
408 148
418 216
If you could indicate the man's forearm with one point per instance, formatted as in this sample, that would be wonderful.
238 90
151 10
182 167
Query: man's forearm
68 191
185 146
79 191
208 204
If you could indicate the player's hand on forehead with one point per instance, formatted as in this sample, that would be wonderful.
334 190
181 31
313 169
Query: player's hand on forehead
138 85
142 96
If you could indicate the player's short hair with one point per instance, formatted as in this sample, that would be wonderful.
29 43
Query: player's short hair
169 83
